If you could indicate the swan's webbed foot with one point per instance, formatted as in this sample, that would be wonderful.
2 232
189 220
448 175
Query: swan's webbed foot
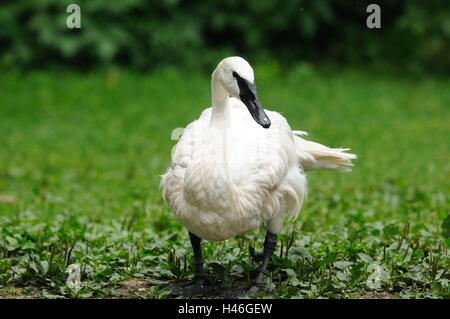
253 290
257 284
199 285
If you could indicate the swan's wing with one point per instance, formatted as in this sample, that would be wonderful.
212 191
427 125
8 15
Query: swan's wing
172 181
182 152
314 156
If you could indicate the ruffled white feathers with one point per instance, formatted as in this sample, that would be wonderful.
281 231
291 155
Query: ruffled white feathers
228 174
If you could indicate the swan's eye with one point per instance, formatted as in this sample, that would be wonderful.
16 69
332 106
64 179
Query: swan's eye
235 74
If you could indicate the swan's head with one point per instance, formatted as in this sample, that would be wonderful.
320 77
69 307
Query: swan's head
237 77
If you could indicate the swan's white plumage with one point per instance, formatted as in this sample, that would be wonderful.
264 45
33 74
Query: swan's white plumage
313 156
225 180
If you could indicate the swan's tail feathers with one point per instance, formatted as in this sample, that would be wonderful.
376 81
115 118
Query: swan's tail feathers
314 156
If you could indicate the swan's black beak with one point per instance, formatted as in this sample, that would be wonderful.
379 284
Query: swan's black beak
249 96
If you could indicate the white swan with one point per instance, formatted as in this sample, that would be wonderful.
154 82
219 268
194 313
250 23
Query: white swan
230 173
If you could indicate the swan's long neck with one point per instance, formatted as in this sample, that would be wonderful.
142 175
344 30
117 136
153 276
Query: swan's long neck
220 115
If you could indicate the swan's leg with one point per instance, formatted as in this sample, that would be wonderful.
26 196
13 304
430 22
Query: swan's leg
200 276
269 247
198 284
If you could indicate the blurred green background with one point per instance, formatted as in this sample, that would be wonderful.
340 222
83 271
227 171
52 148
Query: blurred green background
86 118
144 35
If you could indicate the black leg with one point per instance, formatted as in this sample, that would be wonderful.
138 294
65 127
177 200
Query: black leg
200 273
269 248
197 286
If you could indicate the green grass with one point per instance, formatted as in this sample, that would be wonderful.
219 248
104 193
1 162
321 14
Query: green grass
81 155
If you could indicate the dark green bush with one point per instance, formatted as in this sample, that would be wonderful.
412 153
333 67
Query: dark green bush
144 34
